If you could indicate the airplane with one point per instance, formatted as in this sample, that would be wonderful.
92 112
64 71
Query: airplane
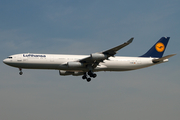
87 65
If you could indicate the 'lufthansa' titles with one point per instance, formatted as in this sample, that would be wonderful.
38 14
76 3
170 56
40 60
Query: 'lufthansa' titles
33 55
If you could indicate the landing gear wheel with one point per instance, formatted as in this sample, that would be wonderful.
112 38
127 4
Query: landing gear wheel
20 73
94 75
88 79
84 77
91 74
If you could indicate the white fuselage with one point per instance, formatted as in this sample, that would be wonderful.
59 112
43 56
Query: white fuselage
59 62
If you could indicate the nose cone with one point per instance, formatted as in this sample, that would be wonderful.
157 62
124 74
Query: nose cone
5 61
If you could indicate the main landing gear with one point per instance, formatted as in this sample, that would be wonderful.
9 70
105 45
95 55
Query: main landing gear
91 74
20 71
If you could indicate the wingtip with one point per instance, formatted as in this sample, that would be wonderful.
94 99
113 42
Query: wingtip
130 40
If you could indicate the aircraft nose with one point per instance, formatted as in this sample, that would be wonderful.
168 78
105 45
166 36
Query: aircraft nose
5 61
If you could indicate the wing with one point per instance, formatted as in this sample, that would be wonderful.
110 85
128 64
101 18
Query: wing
95 58
113 51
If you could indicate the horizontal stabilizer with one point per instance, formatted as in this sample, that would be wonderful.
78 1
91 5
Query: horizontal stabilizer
163 58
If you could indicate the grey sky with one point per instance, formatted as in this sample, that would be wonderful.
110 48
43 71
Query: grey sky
84 27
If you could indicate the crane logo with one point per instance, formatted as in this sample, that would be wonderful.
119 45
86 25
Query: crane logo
160 47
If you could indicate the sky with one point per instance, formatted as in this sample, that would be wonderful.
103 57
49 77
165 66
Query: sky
85 27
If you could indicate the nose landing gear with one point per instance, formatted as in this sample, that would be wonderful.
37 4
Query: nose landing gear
20 73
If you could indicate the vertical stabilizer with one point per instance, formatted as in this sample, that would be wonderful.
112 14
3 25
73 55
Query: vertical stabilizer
158 49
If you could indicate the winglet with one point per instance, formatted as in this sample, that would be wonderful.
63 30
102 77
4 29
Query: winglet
130 40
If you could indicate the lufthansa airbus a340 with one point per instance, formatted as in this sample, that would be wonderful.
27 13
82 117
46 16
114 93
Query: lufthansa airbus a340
87 65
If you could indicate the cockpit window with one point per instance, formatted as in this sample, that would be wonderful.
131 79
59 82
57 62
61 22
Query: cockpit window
9 57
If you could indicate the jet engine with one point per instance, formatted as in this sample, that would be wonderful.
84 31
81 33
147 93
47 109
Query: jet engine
64 73
98 56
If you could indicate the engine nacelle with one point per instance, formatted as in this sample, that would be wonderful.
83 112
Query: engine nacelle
78 73
74 64
64 73
98 56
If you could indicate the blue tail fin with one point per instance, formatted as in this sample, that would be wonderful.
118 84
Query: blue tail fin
158 49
